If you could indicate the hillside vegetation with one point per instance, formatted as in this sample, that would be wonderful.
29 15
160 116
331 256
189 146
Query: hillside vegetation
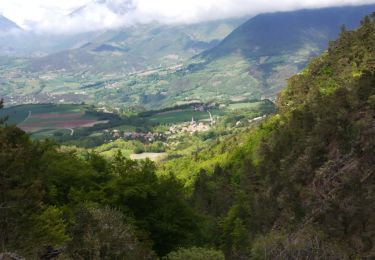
302 186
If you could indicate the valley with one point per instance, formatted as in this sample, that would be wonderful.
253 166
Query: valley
142 130
164 131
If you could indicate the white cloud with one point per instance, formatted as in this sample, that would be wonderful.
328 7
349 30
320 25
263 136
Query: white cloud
52 16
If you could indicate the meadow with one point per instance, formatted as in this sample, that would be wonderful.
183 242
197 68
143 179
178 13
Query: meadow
181 116
245 105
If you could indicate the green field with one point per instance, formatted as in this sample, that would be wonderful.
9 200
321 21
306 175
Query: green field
245 105
180 116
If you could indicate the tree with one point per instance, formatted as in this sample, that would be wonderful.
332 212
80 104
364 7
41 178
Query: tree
4 119
100 234
21 190
157 205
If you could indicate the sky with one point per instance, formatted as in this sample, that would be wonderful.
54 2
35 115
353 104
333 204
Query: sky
61 16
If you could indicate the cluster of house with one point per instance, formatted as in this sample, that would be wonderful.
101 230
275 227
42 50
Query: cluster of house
44 98
192 127
203 107
146 137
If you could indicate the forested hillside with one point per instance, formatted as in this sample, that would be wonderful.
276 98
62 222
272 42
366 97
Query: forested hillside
301 185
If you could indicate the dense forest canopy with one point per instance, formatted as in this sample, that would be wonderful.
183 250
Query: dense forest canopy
301 185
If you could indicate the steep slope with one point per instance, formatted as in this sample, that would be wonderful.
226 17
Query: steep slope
7 25
8 30
276 33
303 185
264 52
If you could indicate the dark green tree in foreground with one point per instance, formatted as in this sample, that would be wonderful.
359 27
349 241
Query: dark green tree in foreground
43 191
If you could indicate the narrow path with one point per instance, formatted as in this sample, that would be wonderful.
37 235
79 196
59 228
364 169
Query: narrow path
211 119
71 131
27 118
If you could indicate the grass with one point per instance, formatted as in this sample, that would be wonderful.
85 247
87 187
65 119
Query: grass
152 156
111 153
175 117
245 105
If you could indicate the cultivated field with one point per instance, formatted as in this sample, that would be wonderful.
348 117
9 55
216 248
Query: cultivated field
46 117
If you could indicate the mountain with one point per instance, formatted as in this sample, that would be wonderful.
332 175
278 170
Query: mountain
8 32
13 39
151 65
138 47
88 62
119 7
270 48
286 32
133 47
6 25
252 62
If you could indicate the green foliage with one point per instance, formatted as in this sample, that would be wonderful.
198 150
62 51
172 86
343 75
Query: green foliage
157 205
51 227
301 186
105 234
2 119
22 191
42 187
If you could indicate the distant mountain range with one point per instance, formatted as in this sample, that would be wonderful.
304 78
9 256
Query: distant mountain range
161 65
138 47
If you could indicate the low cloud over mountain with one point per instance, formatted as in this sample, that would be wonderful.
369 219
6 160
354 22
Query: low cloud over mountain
72 16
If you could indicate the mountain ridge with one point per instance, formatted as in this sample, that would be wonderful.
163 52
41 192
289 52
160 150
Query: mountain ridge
261 35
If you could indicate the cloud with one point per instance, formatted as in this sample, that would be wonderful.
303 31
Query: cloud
72 16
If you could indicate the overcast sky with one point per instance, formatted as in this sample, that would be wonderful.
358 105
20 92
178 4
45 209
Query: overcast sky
53 15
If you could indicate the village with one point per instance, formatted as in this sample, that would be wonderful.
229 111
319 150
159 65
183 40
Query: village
174 130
